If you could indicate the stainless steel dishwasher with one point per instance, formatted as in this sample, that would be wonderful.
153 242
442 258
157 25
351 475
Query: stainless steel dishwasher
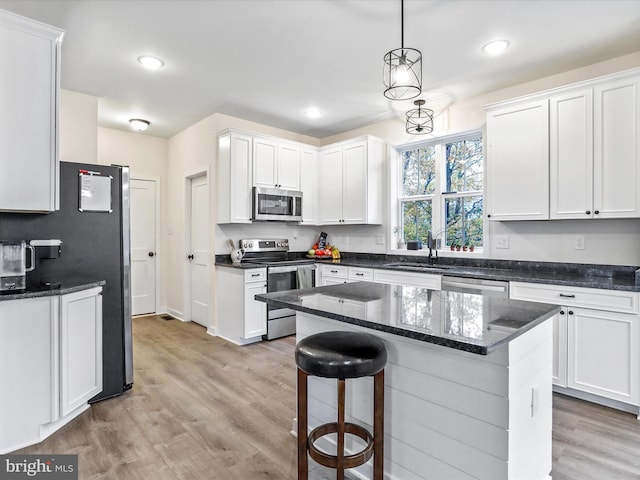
494 288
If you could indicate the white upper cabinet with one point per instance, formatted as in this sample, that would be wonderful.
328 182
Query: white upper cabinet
350 176
235 153
309 185
571 154
288 167
518 162
595 151
276 164
616 140
29 85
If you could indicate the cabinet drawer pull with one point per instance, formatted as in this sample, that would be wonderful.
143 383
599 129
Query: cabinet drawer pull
360 274
255 274
333 271
567 296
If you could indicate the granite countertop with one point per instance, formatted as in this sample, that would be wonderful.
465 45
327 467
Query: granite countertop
473 323
66 287
609 277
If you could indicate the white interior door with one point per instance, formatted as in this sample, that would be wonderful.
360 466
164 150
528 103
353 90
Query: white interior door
143 246
199 251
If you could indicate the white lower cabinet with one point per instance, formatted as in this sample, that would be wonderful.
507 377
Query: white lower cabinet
240 318
334 274
80 348
27 328
596 349
50 363
602 354
255 318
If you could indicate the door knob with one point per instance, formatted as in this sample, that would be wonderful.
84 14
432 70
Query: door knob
190 256
151 254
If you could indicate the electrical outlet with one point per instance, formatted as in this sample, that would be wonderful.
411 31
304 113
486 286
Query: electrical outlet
345 240
578 242
502 241
379 238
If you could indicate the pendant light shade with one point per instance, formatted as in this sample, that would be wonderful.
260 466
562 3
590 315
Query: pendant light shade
402 74
419 120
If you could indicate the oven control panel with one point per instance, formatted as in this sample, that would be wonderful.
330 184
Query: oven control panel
265 245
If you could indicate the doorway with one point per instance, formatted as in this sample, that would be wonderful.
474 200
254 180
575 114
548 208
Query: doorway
198 248
143 246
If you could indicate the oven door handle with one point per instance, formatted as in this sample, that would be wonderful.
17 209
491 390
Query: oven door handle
288 268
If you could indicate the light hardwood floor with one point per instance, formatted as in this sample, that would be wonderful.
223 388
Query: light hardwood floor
204 409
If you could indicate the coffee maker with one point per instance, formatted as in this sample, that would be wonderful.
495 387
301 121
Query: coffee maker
13 264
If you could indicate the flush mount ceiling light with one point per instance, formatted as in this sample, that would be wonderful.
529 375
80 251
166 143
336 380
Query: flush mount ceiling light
152 63
138 124
313 112
402 69
495 47
419 120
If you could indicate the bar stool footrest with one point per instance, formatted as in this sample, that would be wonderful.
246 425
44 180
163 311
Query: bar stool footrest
331 461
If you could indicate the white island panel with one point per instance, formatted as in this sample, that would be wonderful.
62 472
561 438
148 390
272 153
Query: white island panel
450 413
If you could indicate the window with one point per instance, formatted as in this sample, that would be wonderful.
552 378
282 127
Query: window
440 191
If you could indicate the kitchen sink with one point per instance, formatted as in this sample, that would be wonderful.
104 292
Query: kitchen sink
416 266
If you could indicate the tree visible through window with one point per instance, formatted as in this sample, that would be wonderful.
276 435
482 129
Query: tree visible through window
441 185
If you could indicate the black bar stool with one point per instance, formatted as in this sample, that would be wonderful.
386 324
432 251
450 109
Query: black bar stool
341 355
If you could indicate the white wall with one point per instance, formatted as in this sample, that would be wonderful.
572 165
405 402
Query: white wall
193 150
614 242
147 158
78 127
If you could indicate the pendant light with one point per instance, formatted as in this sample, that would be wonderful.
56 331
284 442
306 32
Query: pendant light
419 120
402 69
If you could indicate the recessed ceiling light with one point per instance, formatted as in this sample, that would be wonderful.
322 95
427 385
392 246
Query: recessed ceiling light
152 63
495 47
138 124
313 112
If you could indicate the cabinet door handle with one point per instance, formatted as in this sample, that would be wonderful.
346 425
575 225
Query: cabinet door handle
190 257
567 296
561 312
596 212
588 212
570 312
489 216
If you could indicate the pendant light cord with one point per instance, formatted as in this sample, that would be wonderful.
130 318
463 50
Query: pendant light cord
402 24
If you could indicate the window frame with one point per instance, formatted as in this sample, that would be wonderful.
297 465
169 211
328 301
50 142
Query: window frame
439 197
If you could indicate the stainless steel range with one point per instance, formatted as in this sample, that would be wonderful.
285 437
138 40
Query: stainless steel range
283 273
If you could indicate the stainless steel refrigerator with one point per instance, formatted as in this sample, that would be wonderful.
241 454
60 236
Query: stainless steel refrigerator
95 246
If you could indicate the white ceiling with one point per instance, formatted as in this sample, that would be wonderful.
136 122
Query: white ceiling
269 60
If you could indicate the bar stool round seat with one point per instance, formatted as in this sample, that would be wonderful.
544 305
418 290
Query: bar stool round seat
341 355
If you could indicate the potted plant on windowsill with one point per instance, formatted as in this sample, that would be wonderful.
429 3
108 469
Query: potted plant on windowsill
400 241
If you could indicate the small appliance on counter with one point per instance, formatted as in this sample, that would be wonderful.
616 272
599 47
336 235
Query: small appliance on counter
47 250
414 245
13 264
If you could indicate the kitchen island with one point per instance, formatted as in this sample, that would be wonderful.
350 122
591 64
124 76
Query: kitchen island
467 384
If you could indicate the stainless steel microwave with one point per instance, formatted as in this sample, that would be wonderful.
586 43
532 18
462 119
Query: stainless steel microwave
277 204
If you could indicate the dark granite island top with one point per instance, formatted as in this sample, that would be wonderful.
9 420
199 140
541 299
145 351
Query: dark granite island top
472 323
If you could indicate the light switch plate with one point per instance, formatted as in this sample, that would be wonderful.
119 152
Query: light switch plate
502 241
